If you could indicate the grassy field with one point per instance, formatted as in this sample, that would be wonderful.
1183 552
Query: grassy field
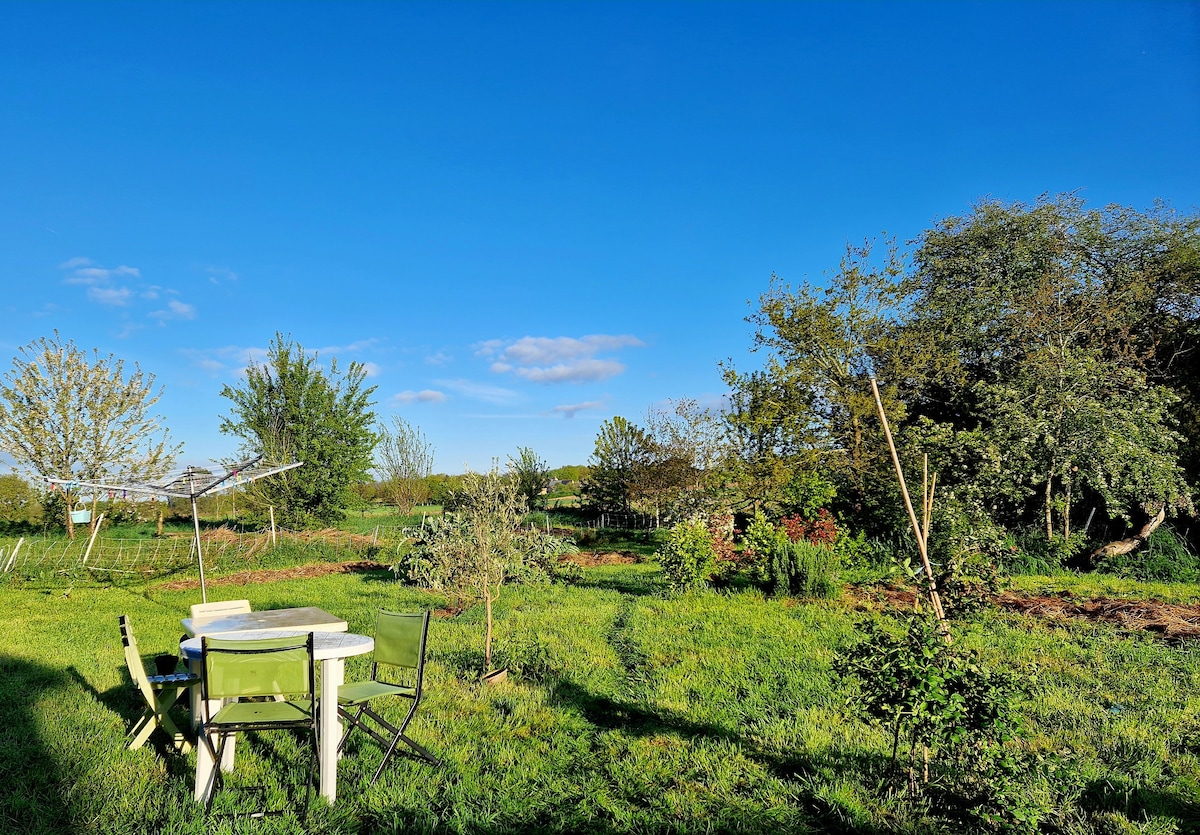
626 711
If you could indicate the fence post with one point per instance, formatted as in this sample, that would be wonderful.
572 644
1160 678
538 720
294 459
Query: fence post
92 539
13 558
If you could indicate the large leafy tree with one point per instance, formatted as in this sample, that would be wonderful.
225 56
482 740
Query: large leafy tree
1048 322
1041 354
290 408
618 466
66 415
809 407
531 473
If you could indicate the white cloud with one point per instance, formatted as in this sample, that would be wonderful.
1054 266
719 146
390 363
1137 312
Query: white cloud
480 391
569 411
175 310
423 396
372 369
561 359
439 359
74 263
110 295
353 348
589 370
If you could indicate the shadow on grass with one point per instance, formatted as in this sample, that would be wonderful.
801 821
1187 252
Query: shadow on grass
626 581
1137 803
125 701
32 797
807 771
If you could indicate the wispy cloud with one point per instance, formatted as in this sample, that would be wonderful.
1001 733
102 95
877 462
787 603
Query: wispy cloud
122 287
174 310
356 347
116 296
496 395
571 410
219 274
561 359
372 369
439 359
423 396
99 275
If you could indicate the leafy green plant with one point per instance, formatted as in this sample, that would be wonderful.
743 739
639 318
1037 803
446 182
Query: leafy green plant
687 557
941 705
471 553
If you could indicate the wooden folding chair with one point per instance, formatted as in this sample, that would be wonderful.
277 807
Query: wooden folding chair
160 693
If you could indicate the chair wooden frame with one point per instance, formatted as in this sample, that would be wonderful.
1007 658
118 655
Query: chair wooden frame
281 670
399 645
160 693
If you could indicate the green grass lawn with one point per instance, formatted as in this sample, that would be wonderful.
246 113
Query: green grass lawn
625 711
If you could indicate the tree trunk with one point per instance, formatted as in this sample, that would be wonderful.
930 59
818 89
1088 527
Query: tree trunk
1049 506
1125 546
487 639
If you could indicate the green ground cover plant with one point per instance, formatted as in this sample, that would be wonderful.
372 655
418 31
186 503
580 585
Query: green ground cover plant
627 709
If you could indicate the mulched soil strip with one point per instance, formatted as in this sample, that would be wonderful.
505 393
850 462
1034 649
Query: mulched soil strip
590 559
300 572
1173 621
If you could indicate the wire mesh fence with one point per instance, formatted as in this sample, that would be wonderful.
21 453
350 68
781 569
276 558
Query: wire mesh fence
114 558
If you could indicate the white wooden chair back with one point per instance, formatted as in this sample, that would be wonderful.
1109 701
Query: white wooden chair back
207 612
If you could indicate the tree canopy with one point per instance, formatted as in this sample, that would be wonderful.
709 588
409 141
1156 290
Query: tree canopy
66 416
1044 356
289 408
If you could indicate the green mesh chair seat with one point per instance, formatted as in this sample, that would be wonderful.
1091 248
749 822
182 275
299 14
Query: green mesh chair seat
364 691
397 669
159 692
276 668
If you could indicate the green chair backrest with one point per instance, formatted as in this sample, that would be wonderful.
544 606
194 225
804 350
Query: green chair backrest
400 639
258 667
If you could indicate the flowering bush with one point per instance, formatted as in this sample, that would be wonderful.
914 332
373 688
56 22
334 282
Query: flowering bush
822 530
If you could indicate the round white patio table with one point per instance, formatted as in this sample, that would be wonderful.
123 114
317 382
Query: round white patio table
331 649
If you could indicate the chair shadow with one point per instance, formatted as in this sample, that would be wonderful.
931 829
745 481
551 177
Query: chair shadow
126 702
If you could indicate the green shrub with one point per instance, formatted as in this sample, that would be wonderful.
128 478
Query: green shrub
687 557
802 569
758 541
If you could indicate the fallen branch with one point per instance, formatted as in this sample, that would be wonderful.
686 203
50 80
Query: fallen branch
1125 546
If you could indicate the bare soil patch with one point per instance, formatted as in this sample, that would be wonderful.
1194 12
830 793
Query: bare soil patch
1173 621
269 575
591 559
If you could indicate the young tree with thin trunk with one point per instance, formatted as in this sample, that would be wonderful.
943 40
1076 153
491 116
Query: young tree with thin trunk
404 462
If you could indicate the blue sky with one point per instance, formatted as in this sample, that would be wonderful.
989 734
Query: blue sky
527 218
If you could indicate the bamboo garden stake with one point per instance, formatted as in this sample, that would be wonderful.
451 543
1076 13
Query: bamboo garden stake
927 510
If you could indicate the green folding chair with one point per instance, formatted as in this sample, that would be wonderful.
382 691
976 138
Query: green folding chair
160 693
400 655
279 669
